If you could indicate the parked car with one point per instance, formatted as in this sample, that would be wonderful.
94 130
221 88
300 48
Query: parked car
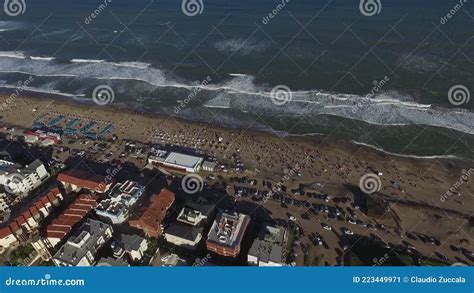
327 227
347 231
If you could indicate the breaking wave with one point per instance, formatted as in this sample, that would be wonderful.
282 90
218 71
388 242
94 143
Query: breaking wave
239 92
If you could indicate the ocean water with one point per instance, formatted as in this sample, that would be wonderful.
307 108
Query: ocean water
381 80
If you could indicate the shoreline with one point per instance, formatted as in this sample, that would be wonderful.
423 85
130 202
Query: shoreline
412 188
264 154
261 131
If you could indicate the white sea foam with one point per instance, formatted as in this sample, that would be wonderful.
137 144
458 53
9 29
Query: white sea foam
11 25
38 75
44 91
238 75
41 58
141 65
217 106
13 54
404 155
241 93
87 61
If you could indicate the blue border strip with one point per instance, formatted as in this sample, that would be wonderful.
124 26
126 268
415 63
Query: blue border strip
239 279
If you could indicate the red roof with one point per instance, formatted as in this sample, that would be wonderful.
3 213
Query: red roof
151 219
4 232
39 205
44 200
34 211
56 192
14 226
27 214
20 220
52 228
52 197
75 212
30 211
84 179
72 213
54 234
88 198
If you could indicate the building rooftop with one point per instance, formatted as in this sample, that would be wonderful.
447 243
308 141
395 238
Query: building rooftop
128 191
202 205
269 245
179 159
155 213
84 179
276 254
158 154
29 207
193 212
190 216
111 262
228 229
72 215
184 231
131 242
209 165
82 242
33 166
191 220
15 168
172 260
111 207
121 197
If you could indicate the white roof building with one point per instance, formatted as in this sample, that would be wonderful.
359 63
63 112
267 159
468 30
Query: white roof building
122 196
177 161
22 180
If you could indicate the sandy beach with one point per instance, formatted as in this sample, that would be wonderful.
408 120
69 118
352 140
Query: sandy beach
413 187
